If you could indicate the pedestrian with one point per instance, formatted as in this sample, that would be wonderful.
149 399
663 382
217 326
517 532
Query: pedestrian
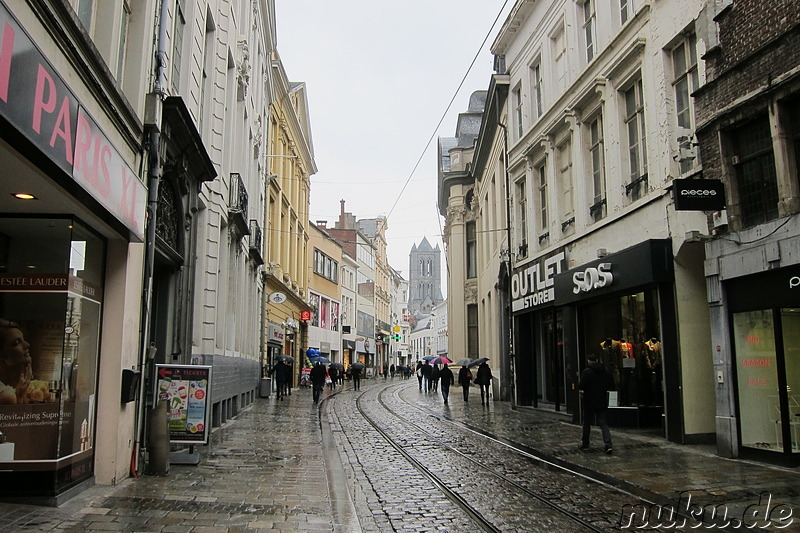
435 378
426 376
594 385
318 375
385 372
447 379
355 373
282 373
464 379
392 370
484 381
333 373
419 373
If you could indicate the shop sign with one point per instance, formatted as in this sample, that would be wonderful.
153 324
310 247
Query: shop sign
534 285
699 195
37 101
187 390
592 278
363 345
275 334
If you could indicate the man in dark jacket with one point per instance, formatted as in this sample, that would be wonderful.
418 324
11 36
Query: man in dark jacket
283 372
318 375
594 386
447 379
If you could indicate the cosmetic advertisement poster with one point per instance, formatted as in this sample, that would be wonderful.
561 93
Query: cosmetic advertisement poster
186 389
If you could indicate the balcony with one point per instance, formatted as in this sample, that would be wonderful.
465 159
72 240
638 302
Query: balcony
237 205
256 242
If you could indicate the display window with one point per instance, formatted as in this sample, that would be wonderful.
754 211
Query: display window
767 346
625 333
51 288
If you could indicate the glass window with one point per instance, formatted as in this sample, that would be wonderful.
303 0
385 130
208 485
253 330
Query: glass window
790 325
522 217
472 331
637 147
472 250
123 40
757 379
589 22
85 13
685 81
559 49
565 183
598 208
518 111
625 10
541 185
177 46
50 309
536 89
757 181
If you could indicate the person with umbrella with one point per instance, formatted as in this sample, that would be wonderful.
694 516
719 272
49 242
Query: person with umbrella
355 373
484 380
446 378
426 376
464 379
282 372
318 374
333 372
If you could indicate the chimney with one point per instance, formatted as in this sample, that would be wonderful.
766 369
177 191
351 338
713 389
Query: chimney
322 224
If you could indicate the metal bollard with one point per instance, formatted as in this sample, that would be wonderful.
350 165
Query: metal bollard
158 443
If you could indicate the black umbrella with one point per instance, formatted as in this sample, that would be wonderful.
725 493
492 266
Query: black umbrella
286 358
464 361
337 366
479 361
357 365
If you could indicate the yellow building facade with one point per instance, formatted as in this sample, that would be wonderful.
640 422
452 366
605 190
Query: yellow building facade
291 164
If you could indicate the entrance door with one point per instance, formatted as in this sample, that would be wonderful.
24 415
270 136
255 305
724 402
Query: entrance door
553 358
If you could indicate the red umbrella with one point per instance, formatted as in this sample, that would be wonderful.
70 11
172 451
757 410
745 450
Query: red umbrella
441 360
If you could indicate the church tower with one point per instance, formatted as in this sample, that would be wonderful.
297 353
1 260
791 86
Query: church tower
425 278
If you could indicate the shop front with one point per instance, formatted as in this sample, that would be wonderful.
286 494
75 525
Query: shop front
72 219
619 307
764 323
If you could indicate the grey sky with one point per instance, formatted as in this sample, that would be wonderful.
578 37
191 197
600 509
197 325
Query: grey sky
379 77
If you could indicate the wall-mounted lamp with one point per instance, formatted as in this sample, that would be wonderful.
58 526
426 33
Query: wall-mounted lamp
602 252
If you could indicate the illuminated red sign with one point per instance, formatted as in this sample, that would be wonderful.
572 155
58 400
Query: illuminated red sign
305 316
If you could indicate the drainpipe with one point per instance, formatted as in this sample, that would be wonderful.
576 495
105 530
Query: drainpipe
154 104
509 316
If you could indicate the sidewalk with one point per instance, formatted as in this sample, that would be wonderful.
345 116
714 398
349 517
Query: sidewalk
264 471
667 474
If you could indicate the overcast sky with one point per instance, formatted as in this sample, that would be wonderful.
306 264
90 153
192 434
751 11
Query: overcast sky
380 76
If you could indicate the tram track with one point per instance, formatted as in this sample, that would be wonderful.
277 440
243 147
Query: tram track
544 509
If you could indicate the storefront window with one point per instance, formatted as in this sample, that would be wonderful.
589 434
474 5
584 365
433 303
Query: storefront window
51 273
757 372
625 333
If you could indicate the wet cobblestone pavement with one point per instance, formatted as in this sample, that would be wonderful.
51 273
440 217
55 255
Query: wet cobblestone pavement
279 466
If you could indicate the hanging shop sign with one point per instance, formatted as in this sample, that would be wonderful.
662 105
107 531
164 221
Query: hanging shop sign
275 334
533 286
699 195
187 390
38 103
